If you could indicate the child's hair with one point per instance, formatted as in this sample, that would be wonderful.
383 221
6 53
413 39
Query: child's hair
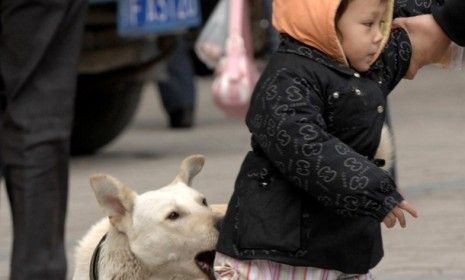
341 9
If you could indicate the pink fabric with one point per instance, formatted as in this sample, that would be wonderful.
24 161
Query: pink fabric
236 74
227 268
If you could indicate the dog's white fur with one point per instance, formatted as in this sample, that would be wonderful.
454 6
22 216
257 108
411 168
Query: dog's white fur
142 241
386 148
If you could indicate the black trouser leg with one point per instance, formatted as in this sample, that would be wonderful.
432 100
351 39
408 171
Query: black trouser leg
178 91
38 196
39 46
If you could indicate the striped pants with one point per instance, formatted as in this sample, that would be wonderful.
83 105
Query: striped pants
227 268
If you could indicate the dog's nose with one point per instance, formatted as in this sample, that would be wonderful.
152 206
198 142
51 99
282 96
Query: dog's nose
219 223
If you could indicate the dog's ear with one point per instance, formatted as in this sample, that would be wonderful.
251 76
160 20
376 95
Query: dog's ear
115 198
190 167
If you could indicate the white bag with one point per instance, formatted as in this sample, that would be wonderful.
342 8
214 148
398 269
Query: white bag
210 45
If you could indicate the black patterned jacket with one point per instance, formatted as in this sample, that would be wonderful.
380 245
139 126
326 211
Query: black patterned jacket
449 15
309 194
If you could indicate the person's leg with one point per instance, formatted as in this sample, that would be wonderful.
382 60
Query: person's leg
38 57
178 90
2 110
273 35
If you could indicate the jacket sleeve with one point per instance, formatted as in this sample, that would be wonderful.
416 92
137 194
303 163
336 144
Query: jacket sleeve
449 14
409 8
286 121
394 61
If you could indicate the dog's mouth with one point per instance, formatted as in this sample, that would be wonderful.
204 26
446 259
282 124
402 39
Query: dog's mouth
204 261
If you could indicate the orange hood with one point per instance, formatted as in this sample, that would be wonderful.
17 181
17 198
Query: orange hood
312 22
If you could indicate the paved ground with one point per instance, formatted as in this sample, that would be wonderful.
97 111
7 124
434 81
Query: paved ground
428 117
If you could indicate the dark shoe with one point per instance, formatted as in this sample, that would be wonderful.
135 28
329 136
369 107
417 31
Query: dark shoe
182 118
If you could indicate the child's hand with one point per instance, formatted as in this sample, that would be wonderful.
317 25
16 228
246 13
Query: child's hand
397 213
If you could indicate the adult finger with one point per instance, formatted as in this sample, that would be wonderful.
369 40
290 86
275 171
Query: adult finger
399 22
409 208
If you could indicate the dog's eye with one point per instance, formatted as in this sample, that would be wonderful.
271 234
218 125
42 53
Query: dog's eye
204 202
173 216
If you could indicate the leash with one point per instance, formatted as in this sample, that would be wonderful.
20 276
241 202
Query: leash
93 269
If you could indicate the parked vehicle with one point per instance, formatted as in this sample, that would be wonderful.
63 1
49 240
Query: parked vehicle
123 41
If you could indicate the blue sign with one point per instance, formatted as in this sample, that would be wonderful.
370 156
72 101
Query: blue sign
141 17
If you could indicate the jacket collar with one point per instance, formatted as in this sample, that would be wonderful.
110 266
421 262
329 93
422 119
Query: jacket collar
290 45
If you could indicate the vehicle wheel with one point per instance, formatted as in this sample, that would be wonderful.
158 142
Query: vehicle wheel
104 106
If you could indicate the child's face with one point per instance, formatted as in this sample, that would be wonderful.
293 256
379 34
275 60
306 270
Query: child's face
360 32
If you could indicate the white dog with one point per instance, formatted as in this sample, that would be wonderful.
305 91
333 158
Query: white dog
167 234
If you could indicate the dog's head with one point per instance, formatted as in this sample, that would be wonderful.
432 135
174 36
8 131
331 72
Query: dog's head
171 228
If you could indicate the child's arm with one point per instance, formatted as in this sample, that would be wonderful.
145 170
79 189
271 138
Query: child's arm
429 42
393 63
397 60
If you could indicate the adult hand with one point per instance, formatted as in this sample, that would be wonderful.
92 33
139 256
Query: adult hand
429 42
397 214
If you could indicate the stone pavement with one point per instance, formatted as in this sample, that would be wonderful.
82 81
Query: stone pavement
428 117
